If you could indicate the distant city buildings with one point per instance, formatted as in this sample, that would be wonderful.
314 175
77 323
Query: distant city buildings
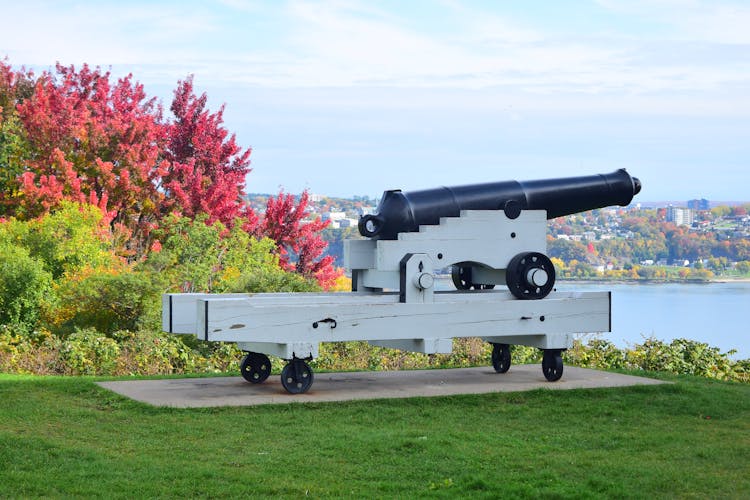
679 215
334 216
702 204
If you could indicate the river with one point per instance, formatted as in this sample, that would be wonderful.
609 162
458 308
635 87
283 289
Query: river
715 313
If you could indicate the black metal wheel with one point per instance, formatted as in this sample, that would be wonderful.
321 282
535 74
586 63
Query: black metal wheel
501 357
462 279
530 275
296 376
552 364
255 367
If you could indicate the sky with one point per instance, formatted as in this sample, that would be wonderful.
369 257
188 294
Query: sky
347 98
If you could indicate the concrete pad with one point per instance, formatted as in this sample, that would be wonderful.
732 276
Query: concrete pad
235 391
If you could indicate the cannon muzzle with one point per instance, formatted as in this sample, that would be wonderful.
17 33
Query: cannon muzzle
400 211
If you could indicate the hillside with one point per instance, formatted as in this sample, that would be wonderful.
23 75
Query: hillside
663 242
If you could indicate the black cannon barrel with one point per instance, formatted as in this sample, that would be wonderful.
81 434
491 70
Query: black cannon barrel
400 212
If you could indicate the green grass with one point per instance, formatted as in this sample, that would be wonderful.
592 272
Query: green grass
62 437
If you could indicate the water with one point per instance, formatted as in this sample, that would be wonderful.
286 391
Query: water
714 313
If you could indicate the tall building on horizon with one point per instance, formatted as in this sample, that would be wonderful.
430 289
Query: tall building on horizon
702 204
679 215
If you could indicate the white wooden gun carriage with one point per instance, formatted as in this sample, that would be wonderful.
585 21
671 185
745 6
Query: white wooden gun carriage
394 302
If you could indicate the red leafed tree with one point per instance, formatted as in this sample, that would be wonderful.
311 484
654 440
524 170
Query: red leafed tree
108 145
15 86
94 142
208 167
284 223
89 140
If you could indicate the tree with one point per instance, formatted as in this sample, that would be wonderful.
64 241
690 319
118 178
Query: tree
739 211
83 138
25 287
300 245
192 256
208 170
743 267
14 88
567 250
68 239
94 142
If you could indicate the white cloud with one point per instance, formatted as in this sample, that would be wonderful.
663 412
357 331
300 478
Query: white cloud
695 20
334 44
359 44
350 44
112 34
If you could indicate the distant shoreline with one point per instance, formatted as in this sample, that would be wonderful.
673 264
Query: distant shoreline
657 281
640 281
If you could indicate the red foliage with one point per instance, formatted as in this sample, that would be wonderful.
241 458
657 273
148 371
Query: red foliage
284 222
92 141
739 211
208 170
96 143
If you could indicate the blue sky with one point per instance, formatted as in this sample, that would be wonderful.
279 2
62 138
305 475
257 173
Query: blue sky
354 97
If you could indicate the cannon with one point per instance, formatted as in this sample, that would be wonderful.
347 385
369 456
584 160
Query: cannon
485 234
529 274
400 212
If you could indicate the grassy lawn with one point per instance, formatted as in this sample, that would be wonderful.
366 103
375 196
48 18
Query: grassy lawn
68 437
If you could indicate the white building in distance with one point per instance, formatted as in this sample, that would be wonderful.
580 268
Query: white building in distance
680 216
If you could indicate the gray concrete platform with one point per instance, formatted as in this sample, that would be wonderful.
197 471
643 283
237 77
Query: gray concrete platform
235 391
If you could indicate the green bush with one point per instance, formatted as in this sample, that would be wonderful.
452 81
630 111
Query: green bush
149 352
88 352
683 356
25 287
72 237
597 353
347 356
680 357
29 352
257 280
195 257
108 301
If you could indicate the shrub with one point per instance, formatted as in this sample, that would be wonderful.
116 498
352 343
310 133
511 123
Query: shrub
347 356
88 352
149 352
597 353
107 300
683 356
680 357
70 238
28 352
25 287
256 280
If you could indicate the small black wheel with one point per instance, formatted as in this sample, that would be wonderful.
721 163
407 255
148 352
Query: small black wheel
462 279
296 376
530 275
501 357
255 367
552 364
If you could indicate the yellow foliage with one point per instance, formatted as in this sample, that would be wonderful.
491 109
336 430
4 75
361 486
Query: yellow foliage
230 274
342 284
558 263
